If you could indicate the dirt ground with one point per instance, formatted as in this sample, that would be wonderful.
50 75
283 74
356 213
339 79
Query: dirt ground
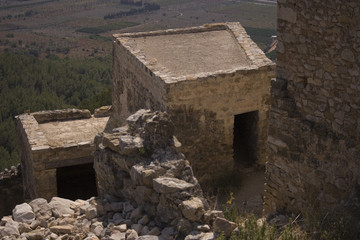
248 197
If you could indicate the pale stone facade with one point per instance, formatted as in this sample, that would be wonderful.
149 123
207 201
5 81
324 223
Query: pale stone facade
50 140
314 119
202 77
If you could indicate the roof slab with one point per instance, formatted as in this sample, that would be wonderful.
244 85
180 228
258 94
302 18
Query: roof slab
181 54
61 134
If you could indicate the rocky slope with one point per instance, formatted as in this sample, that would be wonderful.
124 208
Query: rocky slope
94 219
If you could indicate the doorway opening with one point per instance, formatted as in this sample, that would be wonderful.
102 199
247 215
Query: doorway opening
76 182
245 138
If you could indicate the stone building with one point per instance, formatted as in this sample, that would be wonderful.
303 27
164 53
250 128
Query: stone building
212 80
314 128
56 149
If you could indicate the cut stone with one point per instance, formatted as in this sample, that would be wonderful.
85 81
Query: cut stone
170 185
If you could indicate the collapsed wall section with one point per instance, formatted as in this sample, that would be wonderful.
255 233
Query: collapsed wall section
140 163
314 119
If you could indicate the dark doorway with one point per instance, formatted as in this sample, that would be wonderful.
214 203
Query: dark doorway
245 138
76 182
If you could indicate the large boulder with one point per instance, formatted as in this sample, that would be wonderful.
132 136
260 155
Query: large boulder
41 208
61 206
23 213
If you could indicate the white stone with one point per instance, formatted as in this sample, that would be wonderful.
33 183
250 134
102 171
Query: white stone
193 209
170 185
23 213
117 235
41 208
150 237
122 228
61 206
200 236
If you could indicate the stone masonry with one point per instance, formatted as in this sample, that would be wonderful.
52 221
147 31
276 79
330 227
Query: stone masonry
140 163
202 77
52 139
314 133
147 191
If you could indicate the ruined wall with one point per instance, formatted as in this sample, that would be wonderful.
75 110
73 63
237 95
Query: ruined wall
314 119
140 163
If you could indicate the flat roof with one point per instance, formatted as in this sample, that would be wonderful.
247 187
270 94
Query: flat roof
187 53
192 53
72 132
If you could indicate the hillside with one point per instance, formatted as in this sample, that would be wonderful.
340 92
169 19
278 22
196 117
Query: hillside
82 29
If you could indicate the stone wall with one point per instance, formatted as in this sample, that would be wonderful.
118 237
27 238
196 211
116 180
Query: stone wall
134 87
140 163
314 119
203 112
10 189
201 101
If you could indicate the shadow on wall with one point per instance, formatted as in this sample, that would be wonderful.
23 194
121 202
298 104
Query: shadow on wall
11 190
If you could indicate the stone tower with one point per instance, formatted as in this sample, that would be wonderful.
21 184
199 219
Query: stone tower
314 119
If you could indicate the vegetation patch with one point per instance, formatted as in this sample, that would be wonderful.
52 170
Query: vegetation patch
26 4
250 13
134 11
107 28
171 2
30 84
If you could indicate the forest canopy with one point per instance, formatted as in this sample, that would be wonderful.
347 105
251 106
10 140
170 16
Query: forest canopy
29 84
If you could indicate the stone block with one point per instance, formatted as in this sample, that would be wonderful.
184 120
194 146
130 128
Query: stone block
23 213
170 185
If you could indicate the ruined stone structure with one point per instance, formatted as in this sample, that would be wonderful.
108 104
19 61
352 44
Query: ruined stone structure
56 152
314 119
140 162
212 80
147 191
